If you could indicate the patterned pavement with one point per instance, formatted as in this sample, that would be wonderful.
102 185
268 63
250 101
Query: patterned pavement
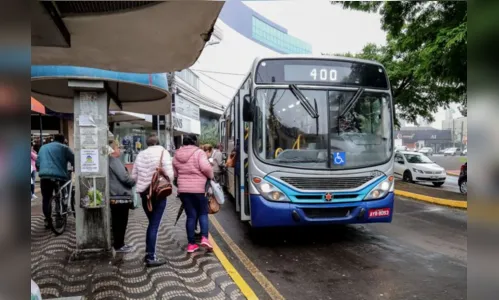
195 276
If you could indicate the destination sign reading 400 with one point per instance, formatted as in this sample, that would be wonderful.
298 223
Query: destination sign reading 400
324 74
315 73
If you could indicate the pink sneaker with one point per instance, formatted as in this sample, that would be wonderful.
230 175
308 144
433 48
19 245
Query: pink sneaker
206 243
192 248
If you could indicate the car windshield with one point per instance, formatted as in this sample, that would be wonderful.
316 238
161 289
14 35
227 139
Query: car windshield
286 134
417 159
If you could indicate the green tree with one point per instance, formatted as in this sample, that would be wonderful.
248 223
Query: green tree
425 55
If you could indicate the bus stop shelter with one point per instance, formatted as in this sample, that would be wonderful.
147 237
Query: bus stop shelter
123 36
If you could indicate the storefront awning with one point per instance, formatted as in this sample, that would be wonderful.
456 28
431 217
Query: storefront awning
37 107
129 117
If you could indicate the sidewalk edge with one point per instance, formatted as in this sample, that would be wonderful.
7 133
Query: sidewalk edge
434 200
452 174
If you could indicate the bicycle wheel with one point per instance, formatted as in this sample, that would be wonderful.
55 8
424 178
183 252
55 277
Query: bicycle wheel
58 215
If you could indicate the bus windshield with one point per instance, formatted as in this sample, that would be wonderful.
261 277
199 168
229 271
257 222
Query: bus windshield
359 133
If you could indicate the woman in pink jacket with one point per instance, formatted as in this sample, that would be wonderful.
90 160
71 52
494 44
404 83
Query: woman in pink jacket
192 170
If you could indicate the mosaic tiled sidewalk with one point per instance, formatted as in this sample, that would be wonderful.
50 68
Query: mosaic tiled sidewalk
195 276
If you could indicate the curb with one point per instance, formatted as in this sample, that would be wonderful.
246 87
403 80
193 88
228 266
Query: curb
452 173
434 200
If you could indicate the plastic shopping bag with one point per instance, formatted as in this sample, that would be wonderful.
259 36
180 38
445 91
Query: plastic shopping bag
35 291
137 201
217 191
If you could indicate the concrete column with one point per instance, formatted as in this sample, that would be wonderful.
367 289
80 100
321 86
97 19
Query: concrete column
91 105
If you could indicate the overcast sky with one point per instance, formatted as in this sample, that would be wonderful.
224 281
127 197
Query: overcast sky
329 28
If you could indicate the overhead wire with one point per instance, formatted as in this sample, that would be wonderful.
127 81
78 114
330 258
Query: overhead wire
217 72
214 89
222 83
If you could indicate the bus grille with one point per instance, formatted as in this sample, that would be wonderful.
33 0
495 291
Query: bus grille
338 183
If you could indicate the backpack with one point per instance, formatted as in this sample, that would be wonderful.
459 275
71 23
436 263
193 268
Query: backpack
160 187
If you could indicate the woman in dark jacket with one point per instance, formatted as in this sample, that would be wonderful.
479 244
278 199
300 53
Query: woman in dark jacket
120 192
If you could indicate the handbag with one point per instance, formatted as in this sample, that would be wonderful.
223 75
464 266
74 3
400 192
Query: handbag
161 186
213 205
231 161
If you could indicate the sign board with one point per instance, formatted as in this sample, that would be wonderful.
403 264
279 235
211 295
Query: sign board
88 137
186 108
89 160
187 125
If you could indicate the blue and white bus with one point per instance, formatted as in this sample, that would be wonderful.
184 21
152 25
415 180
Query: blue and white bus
314 142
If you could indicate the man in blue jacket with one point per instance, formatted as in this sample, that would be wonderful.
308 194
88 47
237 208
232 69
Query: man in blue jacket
52 166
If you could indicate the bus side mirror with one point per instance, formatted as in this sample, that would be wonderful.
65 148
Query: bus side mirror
247 109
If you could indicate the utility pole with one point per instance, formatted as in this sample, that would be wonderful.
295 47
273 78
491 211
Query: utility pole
157 126
173 91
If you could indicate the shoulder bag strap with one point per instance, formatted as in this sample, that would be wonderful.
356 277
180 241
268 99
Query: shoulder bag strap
161 159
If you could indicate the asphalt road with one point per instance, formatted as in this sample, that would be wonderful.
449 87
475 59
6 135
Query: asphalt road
421 255
449 163
449 185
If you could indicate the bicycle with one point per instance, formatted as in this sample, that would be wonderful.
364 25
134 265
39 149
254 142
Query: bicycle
64 194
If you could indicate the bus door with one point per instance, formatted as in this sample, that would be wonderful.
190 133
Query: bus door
243 136
222 140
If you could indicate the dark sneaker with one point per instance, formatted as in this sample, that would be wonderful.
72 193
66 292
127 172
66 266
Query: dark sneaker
125 249
155 262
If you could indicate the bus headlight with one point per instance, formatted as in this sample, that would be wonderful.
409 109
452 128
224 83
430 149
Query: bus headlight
268 191
382 189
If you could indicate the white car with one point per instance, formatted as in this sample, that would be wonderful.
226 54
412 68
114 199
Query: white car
452 151
417 167
426 150
465 152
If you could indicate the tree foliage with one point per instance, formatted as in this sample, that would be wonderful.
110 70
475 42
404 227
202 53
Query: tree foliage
425 55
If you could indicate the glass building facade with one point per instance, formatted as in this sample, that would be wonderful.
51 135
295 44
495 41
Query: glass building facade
260 29
278 39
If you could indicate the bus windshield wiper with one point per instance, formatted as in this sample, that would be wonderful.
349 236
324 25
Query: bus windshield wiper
351 102
303 100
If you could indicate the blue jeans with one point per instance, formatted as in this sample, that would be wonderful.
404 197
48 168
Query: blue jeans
196 207
154 218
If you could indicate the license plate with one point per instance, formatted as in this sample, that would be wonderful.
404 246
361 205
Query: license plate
379 213
434 177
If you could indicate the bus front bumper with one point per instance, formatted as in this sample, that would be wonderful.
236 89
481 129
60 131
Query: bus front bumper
266 213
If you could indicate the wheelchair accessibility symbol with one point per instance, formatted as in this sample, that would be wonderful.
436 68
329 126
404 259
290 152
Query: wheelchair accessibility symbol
339 158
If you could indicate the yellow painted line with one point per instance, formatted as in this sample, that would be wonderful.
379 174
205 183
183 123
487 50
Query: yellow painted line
248 264
452 173
434 200
238 279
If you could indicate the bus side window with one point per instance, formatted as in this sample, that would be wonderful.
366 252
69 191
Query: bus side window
232 123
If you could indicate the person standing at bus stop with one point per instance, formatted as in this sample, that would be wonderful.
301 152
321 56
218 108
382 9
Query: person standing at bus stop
192 170
144 167
215 159
34 156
